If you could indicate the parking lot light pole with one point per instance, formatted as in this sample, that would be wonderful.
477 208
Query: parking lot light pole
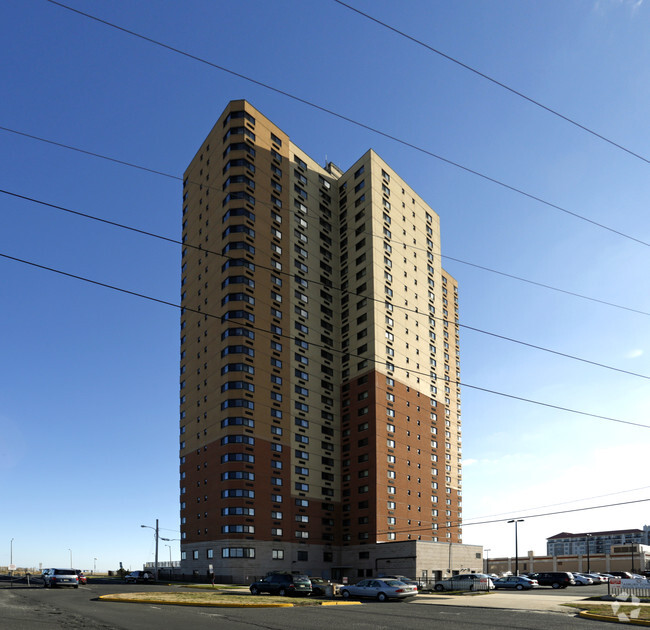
71 565
487 560
170 550
155 571
94 565
588 553
515 521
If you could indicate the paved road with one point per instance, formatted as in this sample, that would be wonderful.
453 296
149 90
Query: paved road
36 608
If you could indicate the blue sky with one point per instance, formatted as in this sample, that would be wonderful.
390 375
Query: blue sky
89 398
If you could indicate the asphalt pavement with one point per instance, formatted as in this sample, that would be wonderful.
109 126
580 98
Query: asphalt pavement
35 608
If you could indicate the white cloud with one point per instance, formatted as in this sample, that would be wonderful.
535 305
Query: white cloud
601 6
634 354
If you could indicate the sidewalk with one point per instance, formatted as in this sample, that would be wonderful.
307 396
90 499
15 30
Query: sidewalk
517 600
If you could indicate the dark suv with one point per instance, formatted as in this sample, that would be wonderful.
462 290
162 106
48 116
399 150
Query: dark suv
139 576
556 579
282 584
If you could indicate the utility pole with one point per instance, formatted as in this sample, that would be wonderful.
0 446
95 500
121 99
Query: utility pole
155 571
156 530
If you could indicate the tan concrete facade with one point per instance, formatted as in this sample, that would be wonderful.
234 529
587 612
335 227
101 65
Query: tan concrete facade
319 404
633 558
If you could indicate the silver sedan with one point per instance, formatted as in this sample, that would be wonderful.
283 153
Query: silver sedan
381 590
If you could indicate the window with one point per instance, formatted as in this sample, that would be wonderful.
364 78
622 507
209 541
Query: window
237 492
238 212
237 552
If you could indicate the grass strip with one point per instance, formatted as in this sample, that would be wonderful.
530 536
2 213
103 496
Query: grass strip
214 598
607 610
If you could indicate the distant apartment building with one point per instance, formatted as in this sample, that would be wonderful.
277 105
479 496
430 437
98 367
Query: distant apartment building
319 360
598 542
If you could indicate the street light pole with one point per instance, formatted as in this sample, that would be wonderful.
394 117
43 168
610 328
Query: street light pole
94 565
155 572
515 521
11 551
588 553
71 565
487 560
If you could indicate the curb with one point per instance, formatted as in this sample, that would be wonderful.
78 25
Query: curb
114 598
608 618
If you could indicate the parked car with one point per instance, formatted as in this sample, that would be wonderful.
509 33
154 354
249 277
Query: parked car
60 577
597 578
139 576
282 584
518 582
319 585
81 577
401 578
621 574
465 582
555 579
380 589
581 580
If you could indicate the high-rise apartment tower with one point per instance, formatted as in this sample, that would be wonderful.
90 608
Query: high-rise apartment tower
319 396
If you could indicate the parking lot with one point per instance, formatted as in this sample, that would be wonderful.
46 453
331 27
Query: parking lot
34 607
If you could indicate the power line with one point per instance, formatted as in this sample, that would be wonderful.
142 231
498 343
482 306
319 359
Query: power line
458 260
350 120
186 308
507 518
91 153
539 507
546 286
285 273
495 81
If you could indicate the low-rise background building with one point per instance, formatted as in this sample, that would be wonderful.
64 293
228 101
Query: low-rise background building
634 558
598 542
